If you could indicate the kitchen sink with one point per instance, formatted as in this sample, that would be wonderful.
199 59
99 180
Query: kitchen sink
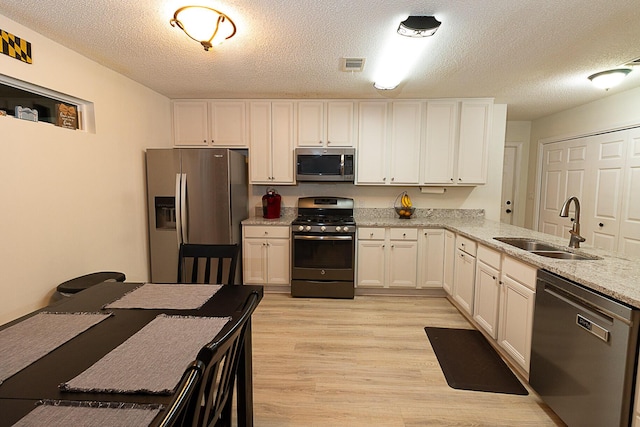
529 245
543 249
564 255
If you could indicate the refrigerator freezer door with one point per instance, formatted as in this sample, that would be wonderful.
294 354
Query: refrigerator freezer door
163 170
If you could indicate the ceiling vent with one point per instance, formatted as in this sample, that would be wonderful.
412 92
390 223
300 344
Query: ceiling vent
352 64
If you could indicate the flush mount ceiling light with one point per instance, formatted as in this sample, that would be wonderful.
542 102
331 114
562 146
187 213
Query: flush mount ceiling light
610 78
419 26
203 24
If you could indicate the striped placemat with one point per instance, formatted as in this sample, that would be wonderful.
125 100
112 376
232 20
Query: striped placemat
27 341
152 360
166 296
89 414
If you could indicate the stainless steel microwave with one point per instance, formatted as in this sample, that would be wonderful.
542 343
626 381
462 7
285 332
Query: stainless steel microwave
325 164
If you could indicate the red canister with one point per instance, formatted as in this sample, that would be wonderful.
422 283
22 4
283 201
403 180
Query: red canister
271 204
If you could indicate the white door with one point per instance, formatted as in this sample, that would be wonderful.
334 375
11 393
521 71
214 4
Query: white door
510 173
563 175
629 237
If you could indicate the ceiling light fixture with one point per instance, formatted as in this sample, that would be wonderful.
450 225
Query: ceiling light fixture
203 24
610 78
419 26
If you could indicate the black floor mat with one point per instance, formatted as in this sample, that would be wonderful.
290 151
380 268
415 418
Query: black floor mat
470 363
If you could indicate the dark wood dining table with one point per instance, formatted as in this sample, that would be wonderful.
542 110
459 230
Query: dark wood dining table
40 380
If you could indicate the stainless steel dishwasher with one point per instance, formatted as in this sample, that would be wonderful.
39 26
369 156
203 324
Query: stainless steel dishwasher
583 353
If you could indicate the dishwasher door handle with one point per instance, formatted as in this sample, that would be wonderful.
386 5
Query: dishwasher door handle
593 328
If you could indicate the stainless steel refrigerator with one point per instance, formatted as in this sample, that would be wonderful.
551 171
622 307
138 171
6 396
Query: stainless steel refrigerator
194 196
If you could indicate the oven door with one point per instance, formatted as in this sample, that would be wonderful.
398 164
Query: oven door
323 257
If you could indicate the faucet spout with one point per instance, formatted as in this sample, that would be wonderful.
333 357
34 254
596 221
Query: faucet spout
576 238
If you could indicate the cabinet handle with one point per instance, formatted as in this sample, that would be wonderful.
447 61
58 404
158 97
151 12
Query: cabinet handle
393 178
205 141
451 179
404 234
601 225
459 179
494 277
319 142
371 235
384 178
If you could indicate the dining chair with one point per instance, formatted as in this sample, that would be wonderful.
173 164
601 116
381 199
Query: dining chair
192 254
222 358
184 405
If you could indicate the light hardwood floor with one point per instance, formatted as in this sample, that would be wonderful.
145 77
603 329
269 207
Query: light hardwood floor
367 362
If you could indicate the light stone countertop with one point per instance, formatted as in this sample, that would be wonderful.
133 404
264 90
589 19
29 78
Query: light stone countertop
613 275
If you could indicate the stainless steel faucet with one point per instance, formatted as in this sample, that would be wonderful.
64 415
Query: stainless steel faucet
576 238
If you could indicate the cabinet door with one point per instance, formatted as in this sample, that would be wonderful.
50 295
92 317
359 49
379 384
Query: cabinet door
516 320
403 257
487 298
449 261
254 261
406 132
190 123
282 140
228 123
260 164
475 126
278 261
340 123
372 143
464 280
629 237
431 259
371 268
310 123
440 142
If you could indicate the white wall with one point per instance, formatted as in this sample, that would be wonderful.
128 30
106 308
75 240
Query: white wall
481 197
612 112
73 202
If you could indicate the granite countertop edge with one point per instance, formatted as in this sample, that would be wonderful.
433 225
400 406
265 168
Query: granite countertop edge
613 275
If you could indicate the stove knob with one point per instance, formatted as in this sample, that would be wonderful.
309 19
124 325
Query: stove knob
322 228
345 228
307 228
300 227
338 228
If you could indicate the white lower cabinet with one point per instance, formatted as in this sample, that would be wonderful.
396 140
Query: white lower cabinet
487 290
449 261
387 257
465 270
517 301
431 243
266 255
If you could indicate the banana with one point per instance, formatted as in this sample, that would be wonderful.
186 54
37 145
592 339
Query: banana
406 200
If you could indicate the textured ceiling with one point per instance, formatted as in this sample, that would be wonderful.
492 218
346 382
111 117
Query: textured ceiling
534 55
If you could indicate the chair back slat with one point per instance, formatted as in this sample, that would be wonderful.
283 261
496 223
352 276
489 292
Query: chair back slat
226 257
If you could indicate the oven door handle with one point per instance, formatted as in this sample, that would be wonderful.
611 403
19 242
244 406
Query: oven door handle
302 237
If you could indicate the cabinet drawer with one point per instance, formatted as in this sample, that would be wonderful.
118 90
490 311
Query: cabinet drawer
370 233
273 232
466 245
489 256
403 233
517 270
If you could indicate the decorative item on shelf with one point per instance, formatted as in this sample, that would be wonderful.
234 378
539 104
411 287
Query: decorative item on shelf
403 206
66 116
25 113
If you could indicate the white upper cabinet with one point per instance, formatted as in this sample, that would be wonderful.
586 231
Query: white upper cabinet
406 136
456 142
372 142
389 158
209 123
271 147
475 130
325 123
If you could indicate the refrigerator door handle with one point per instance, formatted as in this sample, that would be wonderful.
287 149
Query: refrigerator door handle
183 208
178 210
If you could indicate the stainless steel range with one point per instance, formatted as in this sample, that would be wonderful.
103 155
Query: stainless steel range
323 252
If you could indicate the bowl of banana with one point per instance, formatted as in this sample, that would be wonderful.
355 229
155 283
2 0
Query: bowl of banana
403 206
